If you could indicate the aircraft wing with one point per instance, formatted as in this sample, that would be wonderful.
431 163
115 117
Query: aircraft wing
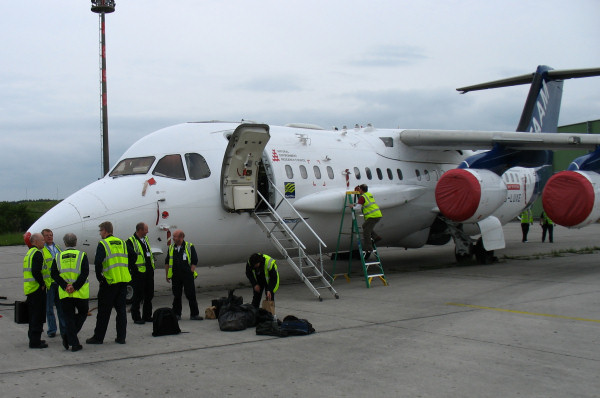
475 140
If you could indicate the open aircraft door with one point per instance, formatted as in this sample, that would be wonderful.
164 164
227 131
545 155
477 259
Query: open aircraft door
239 174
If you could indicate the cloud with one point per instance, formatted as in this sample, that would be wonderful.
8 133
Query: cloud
390 56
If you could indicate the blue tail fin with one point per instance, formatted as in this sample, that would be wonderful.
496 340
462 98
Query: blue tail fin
540 114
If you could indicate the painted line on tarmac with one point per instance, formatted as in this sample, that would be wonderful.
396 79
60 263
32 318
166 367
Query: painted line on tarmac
524 312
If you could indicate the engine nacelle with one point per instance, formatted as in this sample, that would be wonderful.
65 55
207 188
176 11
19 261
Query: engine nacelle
469 195
571 198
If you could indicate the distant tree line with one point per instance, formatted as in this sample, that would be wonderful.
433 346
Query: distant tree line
18 216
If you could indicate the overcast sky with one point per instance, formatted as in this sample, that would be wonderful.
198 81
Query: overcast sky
328 62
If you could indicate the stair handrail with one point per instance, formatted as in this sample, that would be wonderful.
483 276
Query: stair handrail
294 210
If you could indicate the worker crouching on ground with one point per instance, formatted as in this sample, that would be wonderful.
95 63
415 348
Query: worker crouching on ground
262 273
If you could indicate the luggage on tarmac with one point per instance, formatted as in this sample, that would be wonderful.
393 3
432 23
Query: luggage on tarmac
165 322
21 312
296 327
230 299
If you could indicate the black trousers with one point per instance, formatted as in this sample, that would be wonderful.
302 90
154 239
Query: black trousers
257 296
36 305
143 290
75 311
184 282
524 230
109 297
550 229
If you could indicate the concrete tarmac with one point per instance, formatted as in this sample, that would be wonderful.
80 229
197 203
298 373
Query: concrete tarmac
528 325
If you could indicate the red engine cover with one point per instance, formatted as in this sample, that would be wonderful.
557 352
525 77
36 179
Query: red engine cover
568 198
458 194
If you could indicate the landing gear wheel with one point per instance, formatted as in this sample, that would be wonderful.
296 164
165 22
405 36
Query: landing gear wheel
483 256
463 258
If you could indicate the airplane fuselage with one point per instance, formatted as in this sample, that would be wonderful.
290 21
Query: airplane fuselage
314 167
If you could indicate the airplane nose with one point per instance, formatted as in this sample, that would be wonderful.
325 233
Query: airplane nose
61 219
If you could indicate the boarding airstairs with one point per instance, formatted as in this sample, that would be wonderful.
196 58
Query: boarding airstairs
282 236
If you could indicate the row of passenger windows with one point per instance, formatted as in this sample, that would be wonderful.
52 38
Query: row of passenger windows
381 174
169 166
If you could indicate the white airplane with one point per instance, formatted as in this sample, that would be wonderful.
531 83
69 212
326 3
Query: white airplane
208 178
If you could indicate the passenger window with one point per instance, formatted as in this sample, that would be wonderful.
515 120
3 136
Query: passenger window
418 174
330 172
357 173
390 174
197 166
399 174
170 166
368 173
303 172
317 172
288 171
427 177
379 173
132 166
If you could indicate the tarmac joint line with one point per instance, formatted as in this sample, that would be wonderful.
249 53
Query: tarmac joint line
524 312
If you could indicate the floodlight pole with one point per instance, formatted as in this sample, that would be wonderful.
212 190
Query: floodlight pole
101 7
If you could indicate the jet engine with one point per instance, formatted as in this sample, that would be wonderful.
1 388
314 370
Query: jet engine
571 198
469 195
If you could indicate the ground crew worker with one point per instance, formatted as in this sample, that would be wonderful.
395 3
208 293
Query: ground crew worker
261 271
70 270
372 215
141 268
180 268
35 290
50 250
526 219
547 225
113 274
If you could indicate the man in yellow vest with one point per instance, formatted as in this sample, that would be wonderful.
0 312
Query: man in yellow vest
70 270
141 268
35 290
261 271
180 268
372 215
49 251
112 272
526 220
547 225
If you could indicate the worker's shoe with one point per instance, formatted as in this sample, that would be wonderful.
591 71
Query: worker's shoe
76 348
196 318
93 340
53 334
139 321
42 344
120 341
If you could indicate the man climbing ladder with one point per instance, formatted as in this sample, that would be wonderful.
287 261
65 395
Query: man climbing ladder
368 207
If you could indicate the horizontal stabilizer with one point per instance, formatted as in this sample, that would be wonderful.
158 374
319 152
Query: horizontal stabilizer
528 78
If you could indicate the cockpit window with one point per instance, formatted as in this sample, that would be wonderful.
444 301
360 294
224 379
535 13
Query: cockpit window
197 166
131 166
170 166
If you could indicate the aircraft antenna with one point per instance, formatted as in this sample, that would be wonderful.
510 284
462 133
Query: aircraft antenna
103 7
